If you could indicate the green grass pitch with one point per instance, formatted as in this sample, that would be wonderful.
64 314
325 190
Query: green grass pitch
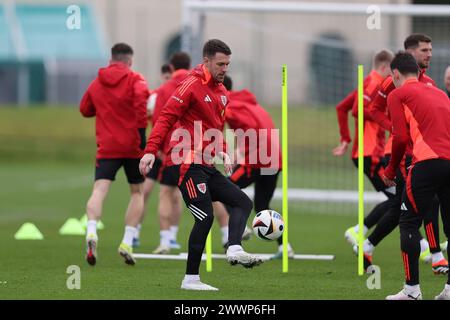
53 183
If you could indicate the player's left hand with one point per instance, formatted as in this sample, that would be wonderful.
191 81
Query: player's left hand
340 149
146 163
227 163
388 182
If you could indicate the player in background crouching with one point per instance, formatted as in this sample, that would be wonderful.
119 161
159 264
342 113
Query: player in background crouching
243 112
421 114
117 99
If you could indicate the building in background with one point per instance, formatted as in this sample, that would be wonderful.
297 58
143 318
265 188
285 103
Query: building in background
43 61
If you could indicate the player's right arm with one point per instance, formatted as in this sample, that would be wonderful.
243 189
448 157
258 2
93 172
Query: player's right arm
141 94
87 107
342 110
400 136
173 110
379 106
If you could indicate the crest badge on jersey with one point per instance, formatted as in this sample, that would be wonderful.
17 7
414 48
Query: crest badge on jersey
202 187
224 100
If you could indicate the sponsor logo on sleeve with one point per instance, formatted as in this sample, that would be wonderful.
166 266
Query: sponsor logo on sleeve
177 99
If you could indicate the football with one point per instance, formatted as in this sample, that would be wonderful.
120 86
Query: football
268 225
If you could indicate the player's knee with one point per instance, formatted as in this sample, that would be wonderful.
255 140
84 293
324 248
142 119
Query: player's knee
99 193
136 189
176 196
408 223
203 225
246 203
147 187
165 192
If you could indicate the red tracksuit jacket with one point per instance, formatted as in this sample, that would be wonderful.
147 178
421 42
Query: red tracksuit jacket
244 112
118 100
421 114
198 98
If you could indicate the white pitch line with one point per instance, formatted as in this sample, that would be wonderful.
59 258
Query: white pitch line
317 195
264 256
294 194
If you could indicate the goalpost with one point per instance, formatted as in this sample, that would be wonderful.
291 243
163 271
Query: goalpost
322 43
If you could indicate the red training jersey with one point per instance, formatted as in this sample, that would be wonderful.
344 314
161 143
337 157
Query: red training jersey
198 98
373 136
118 100
378 109
421 114
244 112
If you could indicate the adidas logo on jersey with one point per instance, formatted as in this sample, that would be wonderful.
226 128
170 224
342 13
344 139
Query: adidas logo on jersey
403 207
208 99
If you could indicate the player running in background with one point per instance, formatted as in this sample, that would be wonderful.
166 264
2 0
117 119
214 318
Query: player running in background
169 206
152 176
419 46
196 107
117 99
374 139
243 112
421 114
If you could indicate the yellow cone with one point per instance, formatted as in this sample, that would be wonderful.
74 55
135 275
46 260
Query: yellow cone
28 231
72 227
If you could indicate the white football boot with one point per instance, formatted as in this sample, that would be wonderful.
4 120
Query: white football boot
197 285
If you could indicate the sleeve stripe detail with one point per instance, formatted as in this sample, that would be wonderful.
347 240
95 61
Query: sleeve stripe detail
387 83
186 85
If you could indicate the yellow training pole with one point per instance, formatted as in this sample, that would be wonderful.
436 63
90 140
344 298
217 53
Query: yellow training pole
284 143
360 169
209 252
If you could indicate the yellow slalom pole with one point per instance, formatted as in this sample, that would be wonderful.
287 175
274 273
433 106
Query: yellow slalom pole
284 143
360 169
209 252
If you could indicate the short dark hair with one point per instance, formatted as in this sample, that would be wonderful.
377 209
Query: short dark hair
384 56
405 63
412 41
180 60
121 49
165 68
228 83
213 46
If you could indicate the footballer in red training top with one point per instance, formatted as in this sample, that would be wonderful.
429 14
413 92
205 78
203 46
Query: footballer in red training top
117 99
421 114
199 104
420 47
